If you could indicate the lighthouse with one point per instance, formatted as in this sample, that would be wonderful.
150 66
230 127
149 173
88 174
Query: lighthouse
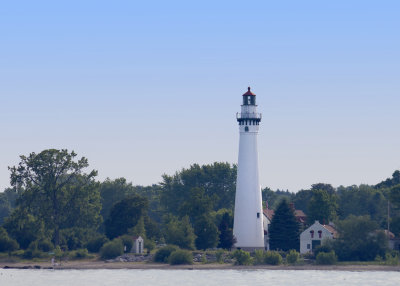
248 220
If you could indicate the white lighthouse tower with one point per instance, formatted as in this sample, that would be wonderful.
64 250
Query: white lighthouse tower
248 221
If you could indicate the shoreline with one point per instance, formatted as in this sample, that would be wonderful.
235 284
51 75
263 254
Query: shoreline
100 265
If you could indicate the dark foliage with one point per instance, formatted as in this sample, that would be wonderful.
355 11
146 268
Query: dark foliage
124 215
284 230
226 238
163 253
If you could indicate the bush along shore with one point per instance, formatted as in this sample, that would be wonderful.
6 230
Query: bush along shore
172 255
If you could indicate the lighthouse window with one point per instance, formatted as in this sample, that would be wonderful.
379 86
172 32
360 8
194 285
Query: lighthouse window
258 215
246 129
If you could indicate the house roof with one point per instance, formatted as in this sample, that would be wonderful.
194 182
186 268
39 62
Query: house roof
269 213
331 229
299 214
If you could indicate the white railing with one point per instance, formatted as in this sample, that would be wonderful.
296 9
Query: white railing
246 115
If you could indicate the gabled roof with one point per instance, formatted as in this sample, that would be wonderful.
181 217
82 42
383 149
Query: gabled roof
269 213
331 229
299 214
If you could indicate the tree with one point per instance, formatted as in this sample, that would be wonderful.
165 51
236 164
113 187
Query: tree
284 230
197 205
180 232
218 181
112 192
226 238
301 199
5 208
362 200
124 215
207 233
7 244
55 189
395 196
321 207
390 182
139 229
24 227
359 239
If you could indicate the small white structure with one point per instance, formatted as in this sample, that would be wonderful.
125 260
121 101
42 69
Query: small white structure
248 221
138 245
314 235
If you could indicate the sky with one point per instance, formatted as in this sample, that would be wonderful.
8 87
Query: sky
145 88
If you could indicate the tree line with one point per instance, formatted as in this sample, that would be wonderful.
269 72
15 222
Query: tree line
55 201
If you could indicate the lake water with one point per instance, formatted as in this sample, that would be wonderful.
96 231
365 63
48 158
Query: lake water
123 277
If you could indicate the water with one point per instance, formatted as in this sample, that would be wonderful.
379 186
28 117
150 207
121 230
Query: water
123 277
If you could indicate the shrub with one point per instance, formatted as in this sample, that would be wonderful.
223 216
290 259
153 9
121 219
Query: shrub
272 258
34 253
81 253
258 257
75 237
242 257
292 257
392 258
326 258
45 245
149 245
326 247
163 253
180 256
219 255
127 240
95 244
112 249
7 244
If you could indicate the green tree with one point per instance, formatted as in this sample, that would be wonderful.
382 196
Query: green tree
207 233
5 208
180 232
7 244
139 229
359 239
321 207
125 215
301 199
218 181
362 200
284 230
113 191
197 205
24 227
390 182
395 196
226 238
56 190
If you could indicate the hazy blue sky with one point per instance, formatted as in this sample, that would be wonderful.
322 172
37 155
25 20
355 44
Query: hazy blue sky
143 88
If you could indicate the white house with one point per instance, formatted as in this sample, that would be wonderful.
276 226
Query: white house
138 245
314 235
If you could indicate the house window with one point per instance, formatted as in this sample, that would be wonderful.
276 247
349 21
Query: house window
308 246
312 233
319 233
